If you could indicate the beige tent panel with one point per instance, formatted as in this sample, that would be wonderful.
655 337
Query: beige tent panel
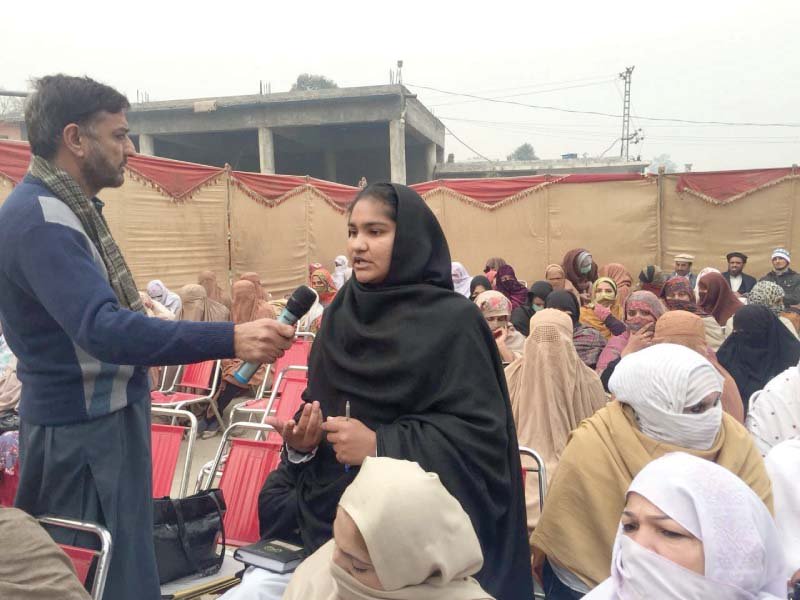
616 221
169 240
272 241
516 232
327 232
755 225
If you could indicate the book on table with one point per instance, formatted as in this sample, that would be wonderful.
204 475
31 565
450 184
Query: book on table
274 555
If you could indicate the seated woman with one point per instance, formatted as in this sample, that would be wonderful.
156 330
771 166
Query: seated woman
759 349
581 270
246 306
322 283
159 292
208 279
512 288
537 298
652 279
603 312
383 546
679 295
551 392
691 529
496 309
774 414
419 369
461 279
622 278
783 465
771 295
197 306
686 329
667 400
714 296
478 285
589 343
154 308
641 309
342 271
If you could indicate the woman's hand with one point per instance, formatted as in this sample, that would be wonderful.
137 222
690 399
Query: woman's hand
351 439
639 340
602 312
306 434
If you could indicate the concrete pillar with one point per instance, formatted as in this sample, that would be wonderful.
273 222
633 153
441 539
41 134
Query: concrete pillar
397 150
147 144
266 150
430 160
329 163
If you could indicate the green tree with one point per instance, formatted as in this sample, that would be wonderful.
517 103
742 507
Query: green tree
662 160
524 152
307 82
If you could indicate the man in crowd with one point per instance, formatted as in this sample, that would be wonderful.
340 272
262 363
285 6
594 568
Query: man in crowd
683 268
784 276
741 283
72 315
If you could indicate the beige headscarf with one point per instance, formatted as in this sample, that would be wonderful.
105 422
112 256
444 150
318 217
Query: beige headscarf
551 392
208 279
418 554
197 306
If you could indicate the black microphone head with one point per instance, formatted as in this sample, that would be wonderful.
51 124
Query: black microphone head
301 301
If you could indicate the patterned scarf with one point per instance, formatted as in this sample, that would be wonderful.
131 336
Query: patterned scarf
94 224
769 294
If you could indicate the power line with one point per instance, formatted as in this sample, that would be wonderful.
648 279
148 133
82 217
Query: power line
465 144
605 114
558 89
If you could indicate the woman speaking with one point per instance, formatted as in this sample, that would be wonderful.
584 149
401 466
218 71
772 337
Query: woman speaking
419 369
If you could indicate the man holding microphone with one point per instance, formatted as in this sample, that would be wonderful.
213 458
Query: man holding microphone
71 313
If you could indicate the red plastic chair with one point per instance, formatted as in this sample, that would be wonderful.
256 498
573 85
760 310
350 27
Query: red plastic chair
296 356
286 397
83 558
194 376
165 449
243 475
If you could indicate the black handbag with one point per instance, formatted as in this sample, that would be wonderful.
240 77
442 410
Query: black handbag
185 534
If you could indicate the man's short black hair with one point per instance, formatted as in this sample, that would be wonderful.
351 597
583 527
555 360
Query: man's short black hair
59 100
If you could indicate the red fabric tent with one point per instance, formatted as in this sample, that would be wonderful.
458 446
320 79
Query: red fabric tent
723 187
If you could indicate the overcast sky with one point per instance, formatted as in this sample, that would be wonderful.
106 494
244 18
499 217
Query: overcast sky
732 61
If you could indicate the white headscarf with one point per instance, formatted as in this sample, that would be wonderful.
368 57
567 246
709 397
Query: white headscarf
743 556
775 411
341 272
158 291
661 381
783 466
461 279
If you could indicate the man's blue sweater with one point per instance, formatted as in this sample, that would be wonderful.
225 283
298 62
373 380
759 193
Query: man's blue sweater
80 354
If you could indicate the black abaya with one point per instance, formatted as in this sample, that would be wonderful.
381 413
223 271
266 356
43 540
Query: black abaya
420 367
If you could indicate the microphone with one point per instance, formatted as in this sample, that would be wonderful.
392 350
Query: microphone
299 303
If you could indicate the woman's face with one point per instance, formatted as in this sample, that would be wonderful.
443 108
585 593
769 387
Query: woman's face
479 289
351 552
636 318
556 279
604 293
538 302
679 295
646 525
496 323
370 240
702 291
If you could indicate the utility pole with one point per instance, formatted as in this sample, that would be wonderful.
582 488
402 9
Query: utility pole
626 115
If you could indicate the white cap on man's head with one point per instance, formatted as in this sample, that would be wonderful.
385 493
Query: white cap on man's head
684 258
781 253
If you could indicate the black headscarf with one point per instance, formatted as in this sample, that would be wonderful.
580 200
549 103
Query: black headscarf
480 280
563 300
522 315
759 348
420 367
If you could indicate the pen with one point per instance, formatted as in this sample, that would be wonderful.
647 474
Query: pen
347 418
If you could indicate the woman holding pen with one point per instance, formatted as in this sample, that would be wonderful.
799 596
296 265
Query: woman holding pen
419 369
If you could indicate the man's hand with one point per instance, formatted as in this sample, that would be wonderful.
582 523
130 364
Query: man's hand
351 439
262 341
306 434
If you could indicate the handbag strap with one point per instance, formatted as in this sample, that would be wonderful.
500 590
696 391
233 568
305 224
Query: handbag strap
213 494
182 537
